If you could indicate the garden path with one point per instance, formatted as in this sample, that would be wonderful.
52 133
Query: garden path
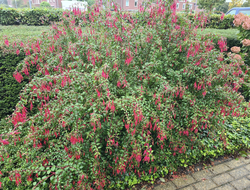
231 174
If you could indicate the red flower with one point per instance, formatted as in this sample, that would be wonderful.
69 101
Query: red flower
6 42
98 93
222 16
18 77
5 142
118 83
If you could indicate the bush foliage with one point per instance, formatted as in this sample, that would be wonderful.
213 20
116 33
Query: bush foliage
120 103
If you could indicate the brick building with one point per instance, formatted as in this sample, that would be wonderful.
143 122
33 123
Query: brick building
181 6
53 3
133 5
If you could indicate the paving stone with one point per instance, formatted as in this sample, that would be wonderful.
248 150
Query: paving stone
234 163
202 174
205 185
225 187
166 186
246 161
223 178
183 181
240 172
248 167
241 183
219 168
190 187
248 177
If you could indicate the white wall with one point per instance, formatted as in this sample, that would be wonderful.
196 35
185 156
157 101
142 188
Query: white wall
74 4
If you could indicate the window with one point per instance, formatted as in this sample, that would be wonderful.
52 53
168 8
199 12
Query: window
232 12
183 6
245 12
127 2
136 3
177 5
190 6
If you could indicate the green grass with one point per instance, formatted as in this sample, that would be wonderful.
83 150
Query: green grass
24 33
21 32
221 32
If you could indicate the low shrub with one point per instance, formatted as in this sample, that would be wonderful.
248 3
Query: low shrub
120 103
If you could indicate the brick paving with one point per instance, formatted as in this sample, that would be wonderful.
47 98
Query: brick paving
230 175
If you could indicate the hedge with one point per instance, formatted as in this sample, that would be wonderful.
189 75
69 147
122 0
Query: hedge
37 16
214 21
9 87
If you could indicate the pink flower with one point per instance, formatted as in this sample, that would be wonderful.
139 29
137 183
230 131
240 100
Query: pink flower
5 142
204 93
246 42
98 93
6 42
222 16
128 60
17 51
235 49
118 83
195 85
18 77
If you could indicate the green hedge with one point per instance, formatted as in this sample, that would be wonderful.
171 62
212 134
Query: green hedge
214 21
37 16
9 87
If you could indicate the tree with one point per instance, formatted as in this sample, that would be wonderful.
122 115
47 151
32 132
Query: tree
45 4
246 4
223 7
90 2
3 2
235 3
209 4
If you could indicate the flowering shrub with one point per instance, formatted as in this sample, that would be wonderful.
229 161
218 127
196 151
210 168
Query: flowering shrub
119 103
243 23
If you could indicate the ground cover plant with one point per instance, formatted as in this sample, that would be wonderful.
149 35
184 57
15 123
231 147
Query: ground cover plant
21 33
120 103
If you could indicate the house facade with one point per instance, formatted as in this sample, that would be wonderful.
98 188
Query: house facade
53 3
181 6
129 5
133 5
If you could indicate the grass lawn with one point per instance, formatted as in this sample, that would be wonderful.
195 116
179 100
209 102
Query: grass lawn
222 32
21 32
